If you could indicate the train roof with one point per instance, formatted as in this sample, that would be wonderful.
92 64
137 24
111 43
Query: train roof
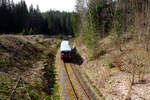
65 46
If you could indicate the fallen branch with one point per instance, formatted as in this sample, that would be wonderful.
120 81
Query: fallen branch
14 88
26 91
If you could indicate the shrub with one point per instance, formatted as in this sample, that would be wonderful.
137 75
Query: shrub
34 94
19 41
111 65
43 42
31 31
23 32
37 40
47 53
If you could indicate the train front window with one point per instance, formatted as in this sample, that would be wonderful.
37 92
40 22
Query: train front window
65 52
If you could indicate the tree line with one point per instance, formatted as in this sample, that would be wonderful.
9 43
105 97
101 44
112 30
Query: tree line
17 18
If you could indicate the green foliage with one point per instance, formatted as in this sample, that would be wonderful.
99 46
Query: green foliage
95 24
57 43
50 74
23 32
21 61
118 20
91 43
6 86
111 65
44 42
18 41
56 95
59 22
37 40
103 18
47 53
48 98
75 18
34 94
91 37
31 31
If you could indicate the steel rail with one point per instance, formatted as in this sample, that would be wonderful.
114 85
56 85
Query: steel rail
71 84
77 78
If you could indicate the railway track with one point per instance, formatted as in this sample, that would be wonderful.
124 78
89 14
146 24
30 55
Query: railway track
75 84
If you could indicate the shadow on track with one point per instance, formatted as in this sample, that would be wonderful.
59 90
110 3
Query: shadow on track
76 58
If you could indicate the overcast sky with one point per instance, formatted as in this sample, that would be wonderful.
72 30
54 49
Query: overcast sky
45 5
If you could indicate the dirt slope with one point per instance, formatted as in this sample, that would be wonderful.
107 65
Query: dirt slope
118 75
24 65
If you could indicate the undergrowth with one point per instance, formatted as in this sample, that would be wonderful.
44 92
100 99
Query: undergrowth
18 56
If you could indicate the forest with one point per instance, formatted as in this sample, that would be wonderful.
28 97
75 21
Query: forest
18 19
92 19
100 18
116 34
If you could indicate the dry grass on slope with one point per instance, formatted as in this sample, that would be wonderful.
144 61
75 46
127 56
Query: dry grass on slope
25 67
17 53
119 74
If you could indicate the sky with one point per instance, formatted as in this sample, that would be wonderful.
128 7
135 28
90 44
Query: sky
46 5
